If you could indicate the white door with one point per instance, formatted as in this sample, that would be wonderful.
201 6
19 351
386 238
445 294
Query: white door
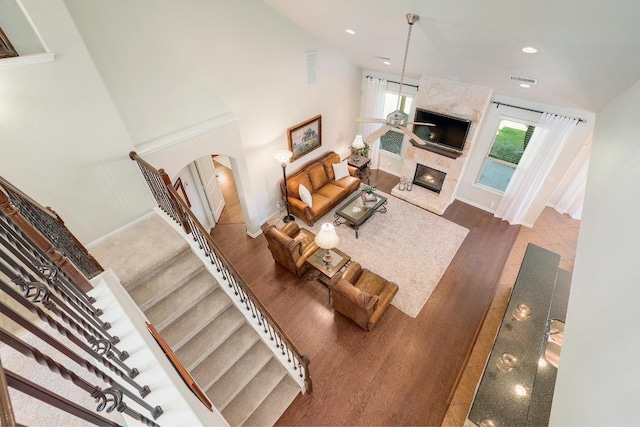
210 185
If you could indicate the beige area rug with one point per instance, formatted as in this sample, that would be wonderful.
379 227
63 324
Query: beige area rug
407 245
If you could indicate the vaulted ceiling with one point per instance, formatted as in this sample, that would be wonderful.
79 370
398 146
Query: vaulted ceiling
587 50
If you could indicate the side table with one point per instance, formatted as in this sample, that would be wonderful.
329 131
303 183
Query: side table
362 163
326 273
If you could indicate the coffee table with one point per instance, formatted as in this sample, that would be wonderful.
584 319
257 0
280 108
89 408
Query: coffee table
356 211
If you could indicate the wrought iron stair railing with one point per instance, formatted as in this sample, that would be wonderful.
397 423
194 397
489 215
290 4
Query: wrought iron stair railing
37 279
169 201
50 225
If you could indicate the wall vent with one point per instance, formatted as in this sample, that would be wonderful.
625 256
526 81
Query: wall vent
311 61
524 80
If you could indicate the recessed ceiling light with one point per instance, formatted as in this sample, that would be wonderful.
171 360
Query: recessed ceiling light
529 49
350 31
386 62
524 85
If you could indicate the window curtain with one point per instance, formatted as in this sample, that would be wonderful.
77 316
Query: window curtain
374 108
545 146
571 200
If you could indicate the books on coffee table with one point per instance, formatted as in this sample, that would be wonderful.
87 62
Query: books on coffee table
368 197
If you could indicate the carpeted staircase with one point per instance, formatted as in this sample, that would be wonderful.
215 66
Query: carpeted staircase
209 335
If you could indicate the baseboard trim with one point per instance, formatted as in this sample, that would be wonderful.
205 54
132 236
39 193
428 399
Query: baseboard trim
475 205
389 171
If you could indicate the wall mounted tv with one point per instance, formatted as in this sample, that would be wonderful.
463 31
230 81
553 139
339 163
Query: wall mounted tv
449 132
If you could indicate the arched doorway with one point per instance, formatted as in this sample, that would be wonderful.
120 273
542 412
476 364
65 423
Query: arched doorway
232 212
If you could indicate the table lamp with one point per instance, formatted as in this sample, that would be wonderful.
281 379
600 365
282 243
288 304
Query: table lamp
358 144
327 238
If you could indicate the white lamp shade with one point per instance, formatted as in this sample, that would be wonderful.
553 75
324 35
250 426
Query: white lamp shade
327 238
283 156
358 143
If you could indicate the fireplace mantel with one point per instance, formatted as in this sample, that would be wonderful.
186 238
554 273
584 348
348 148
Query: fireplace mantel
455 99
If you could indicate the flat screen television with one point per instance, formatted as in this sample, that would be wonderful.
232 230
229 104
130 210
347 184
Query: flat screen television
449 132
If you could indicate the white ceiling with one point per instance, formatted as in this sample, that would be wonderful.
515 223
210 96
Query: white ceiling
588 50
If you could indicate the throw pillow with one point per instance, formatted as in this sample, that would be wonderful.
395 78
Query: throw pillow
340 170
305 195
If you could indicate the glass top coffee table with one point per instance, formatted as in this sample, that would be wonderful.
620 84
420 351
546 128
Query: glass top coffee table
357 210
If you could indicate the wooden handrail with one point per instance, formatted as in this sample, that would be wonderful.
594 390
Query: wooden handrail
224 265
67 242
42 243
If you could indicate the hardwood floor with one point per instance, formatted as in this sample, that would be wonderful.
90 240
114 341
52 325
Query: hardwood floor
403 372
232 212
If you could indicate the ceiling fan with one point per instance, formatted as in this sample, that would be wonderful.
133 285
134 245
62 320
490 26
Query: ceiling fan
397 119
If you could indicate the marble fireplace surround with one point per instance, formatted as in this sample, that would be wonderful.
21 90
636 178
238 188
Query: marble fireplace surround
455 99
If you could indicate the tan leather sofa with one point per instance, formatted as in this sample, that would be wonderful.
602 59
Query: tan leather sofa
290 246
362 295
318 177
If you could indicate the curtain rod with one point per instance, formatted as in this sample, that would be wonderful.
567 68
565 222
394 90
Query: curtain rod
391 81
498 104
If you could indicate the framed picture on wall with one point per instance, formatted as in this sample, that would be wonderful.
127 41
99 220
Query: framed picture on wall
6 48
305 137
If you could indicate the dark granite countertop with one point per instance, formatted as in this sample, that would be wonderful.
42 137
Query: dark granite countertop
517 385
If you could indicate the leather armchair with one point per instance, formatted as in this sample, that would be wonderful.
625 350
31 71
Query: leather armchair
290 246
362 295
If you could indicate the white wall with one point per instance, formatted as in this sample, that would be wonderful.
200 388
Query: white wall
599 380
488 199
171 65
62 140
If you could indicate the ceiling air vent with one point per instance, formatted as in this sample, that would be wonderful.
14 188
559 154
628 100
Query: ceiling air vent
524 80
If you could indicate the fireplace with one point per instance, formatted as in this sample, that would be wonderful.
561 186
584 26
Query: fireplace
429 178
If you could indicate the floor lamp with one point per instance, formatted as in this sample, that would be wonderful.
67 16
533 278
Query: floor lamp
283 157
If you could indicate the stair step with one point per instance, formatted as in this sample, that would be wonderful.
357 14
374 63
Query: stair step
239 375
210 337
222 358
181 300
152 237
254 393
197 318
170 277
272 408
207 332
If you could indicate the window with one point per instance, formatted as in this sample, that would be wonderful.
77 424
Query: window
510 142
391 142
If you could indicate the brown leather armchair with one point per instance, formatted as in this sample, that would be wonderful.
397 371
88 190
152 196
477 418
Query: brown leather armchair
290 246
362 295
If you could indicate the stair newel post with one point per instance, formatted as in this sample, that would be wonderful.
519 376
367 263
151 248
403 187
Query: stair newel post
304 360
42 243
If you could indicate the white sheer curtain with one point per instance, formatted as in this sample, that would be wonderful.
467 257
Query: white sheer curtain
374 108
546 143
571 200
